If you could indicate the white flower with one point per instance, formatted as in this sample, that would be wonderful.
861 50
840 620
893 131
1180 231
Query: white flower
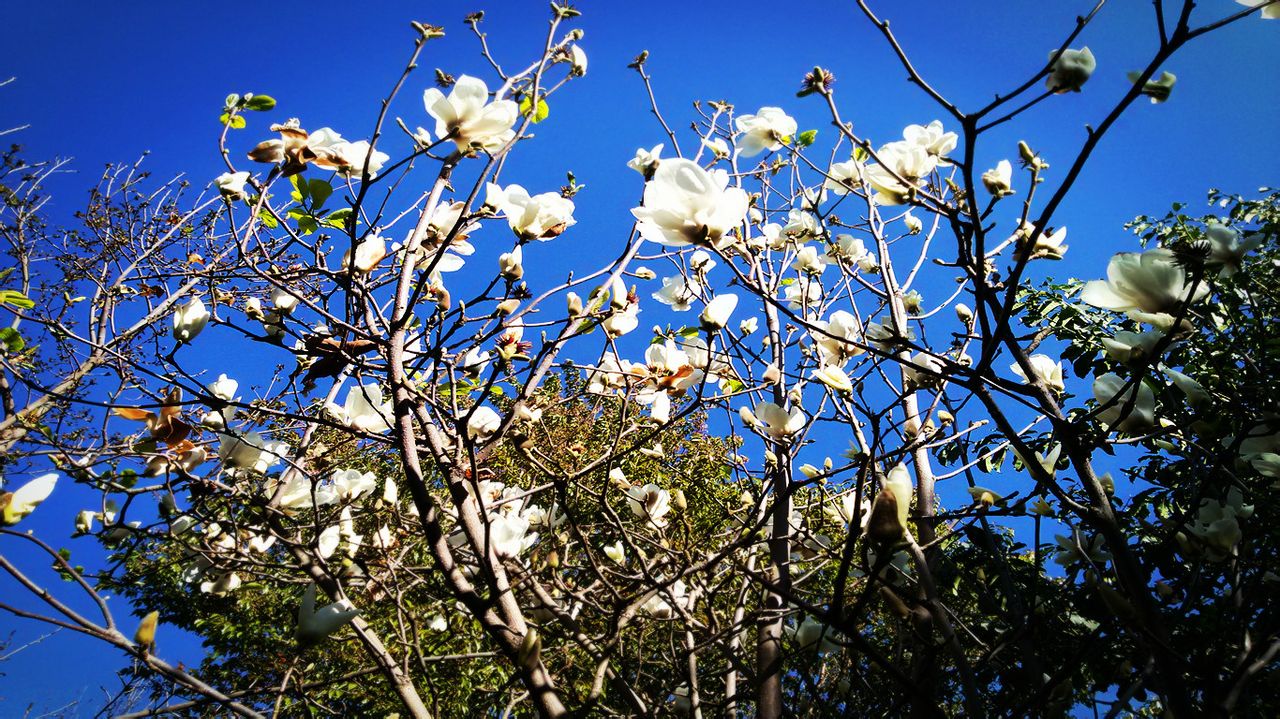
483 423
1047 245
1045 369
1150 282
300 493
914 225
1225 246
685 204
650 502
474 362
848 249
678 292
537 217
1133 410
509 535
437 623
465 117
189 320
700 261
932 138
777 422
716 314
923 370
910 161
225 584
812 635
843 177
616 552
892 504
352 484
800 228
646 161
882 335
225 388
834 377
768 129
511 264
621 323
805 293
283 300
999 180
316 624
658 607
249 451
23 501
717 146
1131 347
837 338
348 158
1196 394
809 262
231 184
1070 70
749 325
1270 12
369 252
364 410
577 60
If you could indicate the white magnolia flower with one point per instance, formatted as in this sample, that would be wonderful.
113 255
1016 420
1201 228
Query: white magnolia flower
685 204
577 60
800 228
1132 347
348 158
923 370
678 292
1045 369
231 184
718 147
646 161
189 319
1270 12
768 129
893 502
369 252
658 605
483 423
249 451
316 624
914 224
813 636
537 217
805 293
1047 245
509 535
1226 248
621 323
1149 282
474 362
650 502
225 388
809 262
1196 394
465 117
1070 70
848 249
932 137
999 179
834 377
837 338
777 422
300 493
1133 410
715 315
364 410
352 484
222 585
21 502
910 161
749 325
616 552
700 261
843 177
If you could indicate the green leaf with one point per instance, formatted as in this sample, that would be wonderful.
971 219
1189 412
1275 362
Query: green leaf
13 341
301 188
338 218
267 219
260 103
307 224
235 121
537 116
16 299
806 138
320 191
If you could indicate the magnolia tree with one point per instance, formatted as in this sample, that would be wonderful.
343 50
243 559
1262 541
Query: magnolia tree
847 473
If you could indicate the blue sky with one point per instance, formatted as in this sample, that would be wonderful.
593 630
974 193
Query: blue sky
104 82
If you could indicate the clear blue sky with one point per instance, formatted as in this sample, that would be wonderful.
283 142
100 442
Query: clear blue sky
103 82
